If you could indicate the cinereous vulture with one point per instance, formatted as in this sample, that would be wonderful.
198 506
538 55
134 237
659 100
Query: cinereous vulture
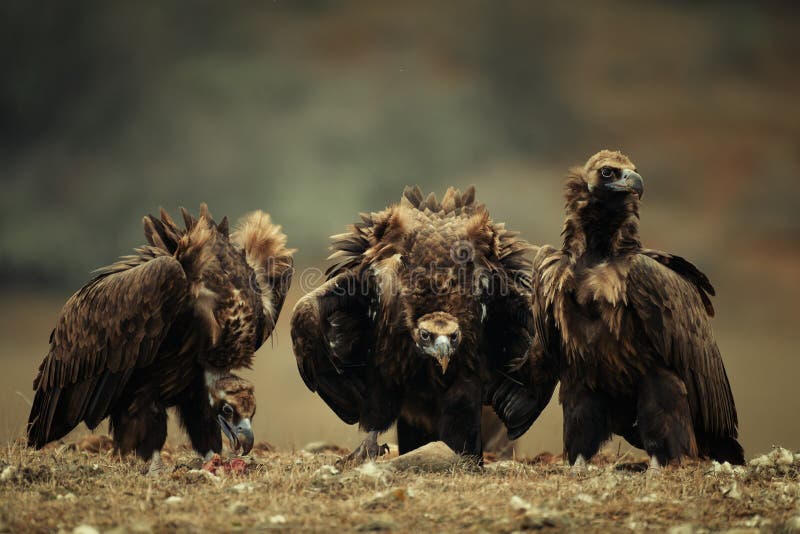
425 303
628 330
164 327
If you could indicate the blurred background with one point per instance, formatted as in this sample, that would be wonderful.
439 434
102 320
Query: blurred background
317 110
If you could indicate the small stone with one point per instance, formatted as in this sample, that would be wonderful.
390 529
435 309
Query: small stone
200 475
8 473
373 470
793 525
732 492
387 499
538 518
503 467
518 504
243 487
85 529
173 499
238 508
277 520
585 498
755 522
433 457
66 497
325 472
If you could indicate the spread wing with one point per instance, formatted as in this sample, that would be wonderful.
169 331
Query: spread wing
332 335
114 324
676 321
524 387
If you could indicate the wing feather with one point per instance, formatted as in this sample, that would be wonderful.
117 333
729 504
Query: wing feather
114 324
676 320
688 271
523 390
331 336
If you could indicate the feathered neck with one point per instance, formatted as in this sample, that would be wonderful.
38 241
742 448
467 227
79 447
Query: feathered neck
597 230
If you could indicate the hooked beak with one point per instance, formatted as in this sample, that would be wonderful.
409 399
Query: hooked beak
630 182
442 350
239 436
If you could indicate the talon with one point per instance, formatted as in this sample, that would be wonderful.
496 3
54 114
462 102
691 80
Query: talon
654 468
368 450
579 467
156 465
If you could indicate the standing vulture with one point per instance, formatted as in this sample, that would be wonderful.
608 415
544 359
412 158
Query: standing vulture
426 301
161 328
627 330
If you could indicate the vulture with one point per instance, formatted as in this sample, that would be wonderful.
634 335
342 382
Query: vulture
426 302
627 330
163 328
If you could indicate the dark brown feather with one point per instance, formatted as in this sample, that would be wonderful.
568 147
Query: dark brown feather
352 336
616 316
140 334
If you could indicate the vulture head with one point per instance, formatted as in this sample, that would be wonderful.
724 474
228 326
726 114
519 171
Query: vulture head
233 401
437 335
609 174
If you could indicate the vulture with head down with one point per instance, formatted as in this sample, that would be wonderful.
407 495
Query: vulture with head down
162 328
426 303
627 330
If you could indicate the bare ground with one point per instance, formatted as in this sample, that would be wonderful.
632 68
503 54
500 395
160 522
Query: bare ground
65 487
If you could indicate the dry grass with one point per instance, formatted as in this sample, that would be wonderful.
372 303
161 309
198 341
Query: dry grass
62 488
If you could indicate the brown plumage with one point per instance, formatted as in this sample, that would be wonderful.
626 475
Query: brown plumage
425 301
162 328
629 329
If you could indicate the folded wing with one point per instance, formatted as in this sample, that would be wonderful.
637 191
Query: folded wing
113 325
675 317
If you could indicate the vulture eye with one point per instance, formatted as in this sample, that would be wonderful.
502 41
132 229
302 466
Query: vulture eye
607 172
454 337
227 410
424 335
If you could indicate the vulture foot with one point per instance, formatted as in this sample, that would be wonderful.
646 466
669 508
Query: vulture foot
156 465
368 450
580 466
654 468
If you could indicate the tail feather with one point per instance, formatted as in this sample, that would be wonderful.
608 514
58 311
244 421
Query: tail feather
725 449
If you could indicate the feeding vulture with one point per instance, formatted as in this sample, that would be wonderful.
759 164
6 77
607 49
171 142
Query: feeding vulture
627 330
161 328
426 301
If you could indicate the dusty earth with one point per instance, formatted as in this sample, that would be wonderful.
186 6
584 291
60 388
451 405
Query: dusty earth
84 487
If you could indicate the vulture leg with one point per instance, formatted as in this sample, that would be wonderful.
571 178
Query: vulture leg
368 450
411 436
665 421
585 422
494 435
140 425
201 425
460 423
378 412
